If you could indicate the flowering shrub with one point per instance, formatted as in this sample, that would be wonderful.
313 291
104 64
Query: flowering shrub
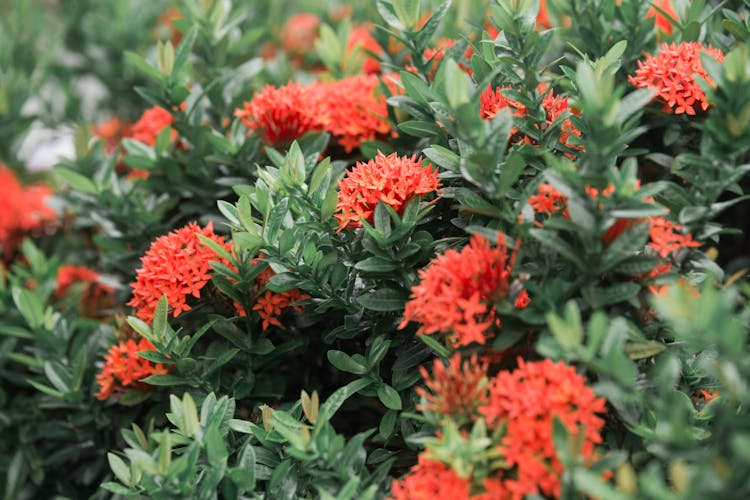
482 249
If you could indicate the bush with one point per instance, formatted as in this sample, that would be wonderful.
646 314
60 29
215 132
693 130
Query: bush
403 250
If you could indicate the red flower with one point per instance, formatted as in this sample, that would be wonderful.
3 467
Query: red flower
493 100
270 305
354 110
671 72
391 179
661 21
96 296
299 33
111 132
522 300
666 239
549 201
175 265
430 480
123 369
281 115
150 125
526 400
361 39
22 210
457 290
456 390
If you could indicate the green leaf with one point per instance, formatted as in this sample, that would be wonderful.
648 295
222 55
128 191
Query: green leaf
457 84
159 324
375 265
184 48
443 157
140 64
416 88
433 344
389 397
29 305
419 128
568 331
643 349
383 300
335 400
76 180
345 363
510 172
164 380
164 459
216 449
388 423
215 247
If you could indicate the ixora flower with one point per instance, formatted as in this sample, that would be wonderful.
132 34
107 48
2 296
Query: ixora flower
670 73
299 33
271 305
23 210
660 20
150 124
458 289
361 39
493 100
392 179
430 479
123 369
456 390
281 115
526 401
176 265
96 296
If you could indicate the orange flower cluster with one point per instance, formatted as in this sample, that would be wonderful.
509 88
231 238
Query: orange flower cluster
430 479
458 289
150 125
526 400
175 265
270 305
96 296
671 72
392 179
456 390
492 101
361 39
299 33
352 110
123 369
22 211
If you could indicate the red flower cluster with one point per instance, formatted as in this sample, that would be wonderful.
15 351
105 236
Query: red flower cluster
270 305
666 239
111 132
391 179
352 110
430 480
299 33
281 115
456 390
361 39
458 289
526 400
175 265
549 200
671 72
660 20
96 297
22 211
492 101
123 369
150 125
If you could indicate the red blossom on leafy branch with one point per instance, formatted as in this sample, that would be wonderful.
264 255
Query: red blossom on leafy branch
549 200
150 124
666 238
393 180
662 23
361 39
458 289
23 210
176 265
271 305
352 110
96 296
527 400
671 73
299 33
112 131
455 390
493 100
123 369
430 479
